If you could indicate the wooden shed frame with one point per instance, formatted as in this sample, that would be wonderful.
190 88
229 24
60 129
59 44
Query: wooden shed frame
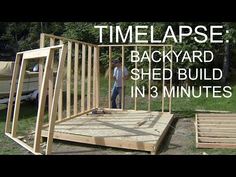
96 74
215 130
22 59
90 100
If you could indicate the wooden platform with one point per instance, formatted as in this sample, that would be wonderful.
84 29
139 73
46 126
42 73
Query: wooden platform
215 130
137 130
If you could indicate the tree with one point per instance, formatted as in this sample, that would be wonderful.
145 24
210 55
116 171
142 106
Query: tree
20 36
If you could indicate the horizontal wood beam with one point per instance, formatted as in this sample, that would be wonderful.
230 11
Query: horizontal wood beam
26 146
71 117
217 134
216 115
216 145
38 53
103 141
67 39
217 140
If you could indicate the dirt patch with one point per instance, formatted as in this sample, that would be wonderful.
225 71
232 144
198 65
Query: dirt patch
180 139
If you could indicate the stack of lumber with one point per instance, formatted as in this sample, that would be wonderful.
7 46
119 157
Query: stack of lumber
215 130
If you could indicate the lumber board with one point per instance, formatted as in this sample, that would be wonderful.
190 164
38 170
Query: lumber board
216 145
217 125
123 80
163 85
217 115
89 78
68 80
210 111
135 82
196 129
110 77
67 39
60 101
50 84
39 53
149 80
12 92
217 140
217 118
76 78
163 134
120 111
52 117
42 45
83 79
103 141
94 77
209 129
42 101
71 117
98 77
18 98
217 134
217 121
171 68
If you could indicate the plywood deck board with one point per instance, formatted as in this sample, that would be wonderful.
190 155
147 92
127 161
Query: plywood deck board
146 127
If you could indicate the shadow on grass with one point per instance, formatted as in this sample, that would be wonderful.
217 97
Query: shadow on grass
178 115
27 118
166 141
27 110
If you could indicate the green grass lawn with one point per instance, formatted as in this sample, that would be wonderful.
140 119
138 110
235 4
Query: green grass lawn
182 107
27 123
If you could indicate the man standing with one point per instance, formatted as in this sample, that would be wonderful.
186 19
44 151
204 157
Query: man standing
117 87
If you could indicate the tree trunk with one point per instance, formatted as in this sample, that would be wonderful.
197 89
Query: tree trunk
226 65
41 24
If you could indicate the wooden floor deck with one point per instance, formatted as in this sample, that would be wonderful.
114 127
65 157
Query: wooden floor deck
137 130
